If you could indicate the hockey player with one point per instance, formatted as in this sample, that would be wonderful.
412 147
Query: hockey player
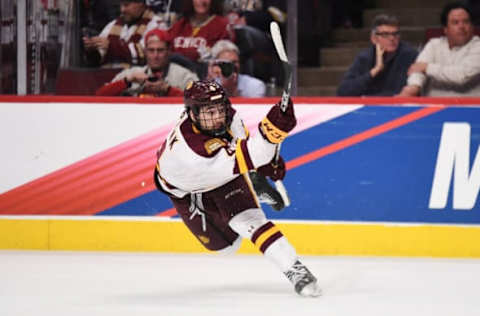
203 167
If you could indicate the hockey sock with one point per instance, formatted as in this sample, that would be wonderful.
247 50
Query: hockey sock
271 242
252 224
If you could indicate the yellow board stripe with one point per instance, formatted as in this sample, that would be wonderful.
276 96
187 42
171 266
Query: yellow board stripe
266 234
242 163
24 234
308 238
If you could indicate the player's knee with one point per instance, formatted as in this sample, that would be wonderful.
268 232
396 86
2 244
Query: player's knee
247 222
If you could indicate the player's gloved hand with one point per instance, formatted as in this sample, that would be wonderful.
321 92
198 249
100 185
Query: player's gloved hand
275 170
276 125
265 192
285 121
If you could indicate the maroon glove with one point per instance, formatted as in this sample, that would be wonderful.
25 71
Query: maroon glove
285 121
274 170
276 125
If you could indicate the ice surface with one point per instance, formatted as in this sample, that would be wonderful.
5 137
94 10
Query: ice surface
117 284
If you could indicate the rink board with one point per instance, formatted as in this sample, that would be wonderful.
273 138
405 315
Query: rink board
364 178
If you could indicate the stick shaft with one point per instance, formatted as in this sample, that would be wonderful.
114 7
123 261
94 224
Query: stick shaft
287 85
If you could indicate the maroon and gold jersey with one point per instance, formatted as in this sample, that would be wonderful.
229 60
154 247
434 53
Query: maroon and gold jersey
187 154
189 40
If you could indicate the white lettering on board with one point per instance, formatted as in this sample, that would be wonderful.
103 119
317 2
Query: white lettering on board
454 159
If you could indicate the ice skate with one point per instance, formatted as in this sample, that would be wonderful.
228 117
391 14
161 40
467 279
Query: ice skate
303 280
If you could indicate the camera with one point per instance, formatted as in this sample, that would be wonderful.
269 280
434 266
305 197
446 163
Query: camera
227 67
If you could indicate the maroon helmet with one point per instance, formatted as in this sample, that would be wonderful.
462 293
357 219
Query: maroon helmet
210 95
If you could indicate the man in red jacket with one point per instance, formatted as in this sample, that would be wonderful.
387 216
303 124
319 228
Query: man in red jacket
159 77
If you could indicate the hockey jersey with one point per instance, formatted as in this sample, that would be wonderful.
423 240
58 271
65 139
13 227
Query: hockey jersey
190 161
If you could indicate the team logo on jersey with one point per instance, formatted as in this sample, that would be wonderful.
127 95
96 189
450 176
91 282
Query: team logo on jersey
204 239
214 144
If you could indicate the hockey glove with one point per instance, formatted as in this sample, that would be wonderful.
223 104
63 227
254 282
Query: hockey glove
277 124
265 192
275 170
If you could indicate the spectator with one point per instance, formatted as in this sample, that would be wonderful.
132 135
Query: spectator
201 26
225 69
159 77
121 42
449 65
382 68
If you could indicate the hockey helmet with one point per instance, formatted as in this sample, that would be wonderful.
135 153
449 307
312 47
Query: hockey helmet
208 94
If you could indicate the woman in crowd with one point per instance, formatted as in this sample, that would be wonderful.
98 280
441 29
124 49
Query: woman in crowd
201 26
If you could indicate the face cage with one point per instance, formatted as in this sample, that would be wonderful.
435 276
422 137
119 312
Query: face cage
202 124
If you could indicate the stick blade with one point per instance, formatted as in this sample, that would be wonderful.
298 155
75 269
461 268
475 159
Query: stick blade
283 192
277 41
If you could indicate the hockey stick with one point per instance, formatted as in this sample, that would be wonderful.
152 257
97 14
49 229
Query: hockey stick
287 85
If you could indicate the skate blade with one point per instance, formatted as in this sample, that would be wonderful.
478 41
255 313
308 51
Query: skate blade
311 290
